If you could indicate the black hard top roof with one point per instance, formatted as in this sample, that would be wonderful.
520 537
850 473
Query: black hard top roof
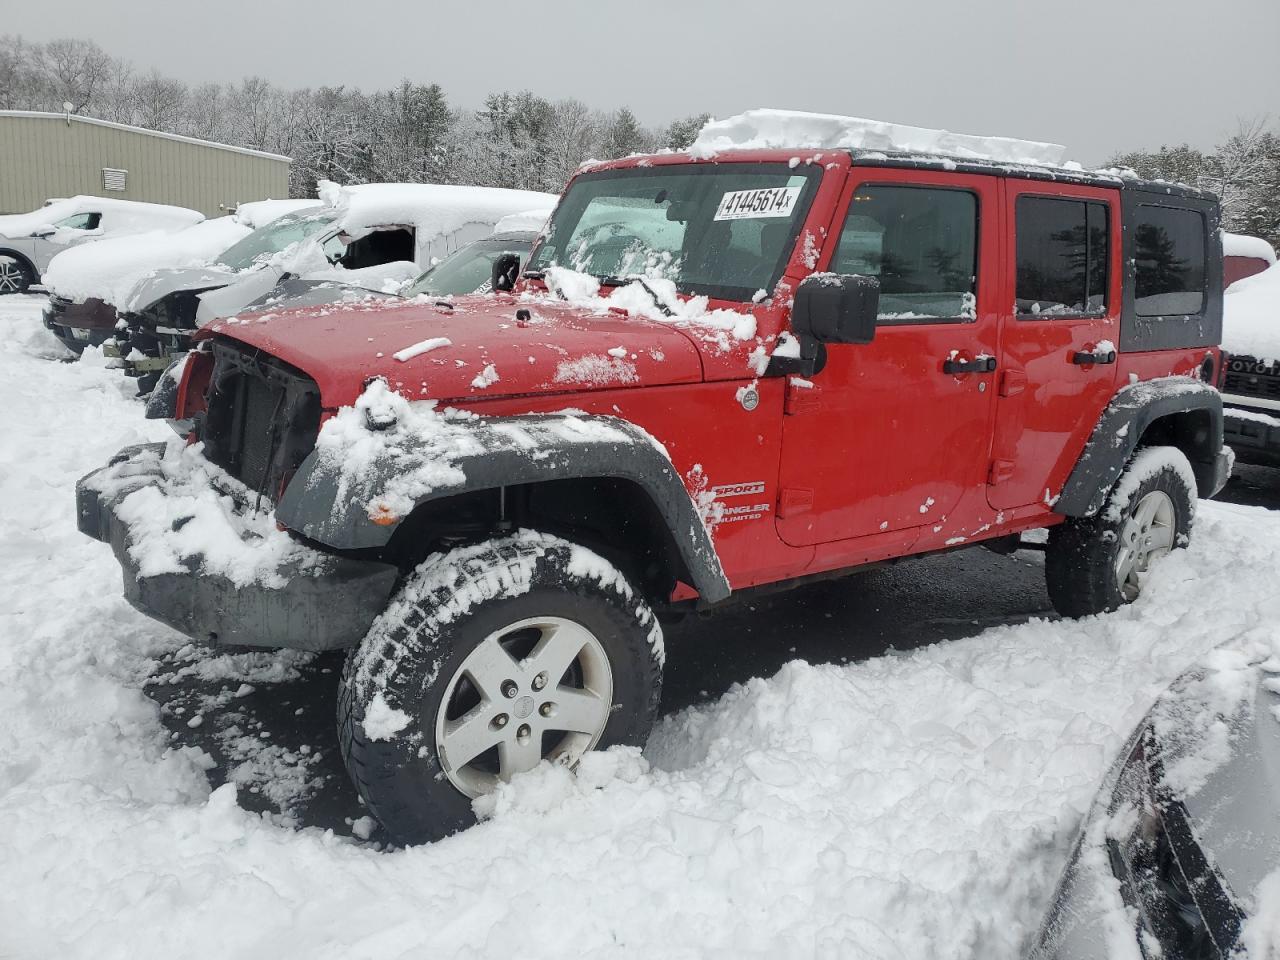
1123 180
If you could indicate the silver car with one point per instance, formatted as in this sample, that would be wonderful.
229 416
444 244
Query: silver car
1180 853
28 241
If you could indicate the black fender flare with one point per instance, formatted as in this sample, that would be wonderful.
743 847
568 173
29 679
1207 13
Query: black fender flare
1121 427
324 503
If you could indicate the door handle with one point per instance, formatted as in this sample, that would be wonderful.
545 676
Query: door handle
980 365
1086 357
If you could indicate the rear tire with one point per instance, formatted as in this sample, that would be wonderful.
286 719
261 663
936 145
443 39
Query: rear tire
490 659
16 275
1097 564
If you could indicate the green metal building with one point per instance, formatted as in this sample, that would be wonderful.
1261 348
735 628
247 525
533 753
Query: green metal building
44 155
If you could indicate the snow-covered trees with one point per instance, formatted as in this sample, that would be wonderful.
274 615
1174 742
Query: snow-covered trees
1244 171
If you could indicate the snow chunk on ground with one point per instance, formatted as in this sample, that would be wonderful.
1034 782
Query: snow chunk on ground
781 129
1251 316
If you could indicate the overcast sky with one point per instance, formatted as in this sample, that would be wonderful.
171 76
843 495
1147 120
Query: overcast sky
1096 75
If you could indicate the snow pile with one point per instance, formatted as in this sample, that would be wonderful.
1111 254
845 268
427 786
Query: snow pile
784 129
1251 316
259 213
110 269
120 217
917 804
186 521
432 209
529 220
1239 245
655 299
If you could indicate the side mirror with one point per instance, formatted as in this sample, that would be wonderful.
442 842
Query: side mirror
42 232
836 308
506 270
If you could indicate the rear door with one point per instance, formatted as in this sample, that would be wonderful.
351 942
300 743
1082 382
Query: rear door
889 435
1059 332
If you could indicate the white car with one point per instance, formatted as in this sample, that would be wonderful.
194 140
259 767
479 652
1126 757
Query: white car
28 241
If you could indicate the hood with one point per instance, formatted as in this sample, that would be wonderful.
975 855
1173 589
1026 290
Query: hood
158 284
297 292
475 350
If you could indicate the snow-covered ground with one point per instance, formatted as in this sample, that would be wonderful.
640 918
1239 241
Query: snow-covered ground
914 805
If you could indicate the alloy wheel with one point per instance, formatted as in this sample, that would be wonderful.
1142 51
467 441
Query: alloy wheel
1146 536
538 689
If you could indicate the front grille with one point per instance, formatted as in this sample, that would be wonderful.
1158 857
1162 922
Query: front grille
1247 377
262 418
59 305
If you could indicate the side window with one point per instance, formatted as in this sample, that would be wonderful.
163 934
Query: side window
81 221
1169 251
1062 250
921 242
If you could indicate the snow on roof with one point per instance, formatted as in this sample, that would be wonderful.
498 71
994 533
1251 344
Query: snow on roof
1239 245
434 209
258 213
533 220
127 216
782 129
1251 316
109 269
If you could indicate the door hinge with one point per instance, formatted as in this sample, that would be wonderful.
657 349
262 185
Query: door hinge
1000 471
800 398
1012 382
794 500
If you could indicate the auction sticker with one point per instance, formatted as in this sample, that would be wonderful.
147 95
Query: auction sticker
758 204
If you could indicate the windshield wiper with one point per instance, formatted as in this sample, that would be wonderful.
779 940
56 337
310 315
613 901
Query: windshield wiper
623 281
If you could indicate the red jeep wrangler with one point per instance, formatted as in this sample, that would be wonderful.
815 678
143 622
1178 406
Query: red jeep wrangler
715 374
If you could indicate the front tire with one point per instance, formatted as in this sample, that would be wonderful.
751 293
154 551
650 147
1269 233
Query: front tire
1099 563
491 659
16 276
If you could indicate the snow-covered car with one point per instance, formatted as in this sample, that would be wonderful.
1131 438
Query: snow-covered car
29 241
1251 338
376 235
1180 854
468 270
87 283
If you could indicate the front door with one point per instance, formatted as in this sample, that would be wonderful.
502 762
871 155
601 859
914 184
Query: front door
889 435
1058 343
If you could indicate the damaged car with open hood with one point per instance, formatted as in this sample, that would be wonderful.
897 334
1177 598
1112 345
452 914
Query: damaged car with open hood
807 345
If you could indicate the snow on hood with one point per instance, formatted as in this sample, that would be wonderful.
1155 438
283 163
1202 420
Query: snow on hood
1239 245
110 269
781 129
433 209
124 216
1251 316
531 220
474 349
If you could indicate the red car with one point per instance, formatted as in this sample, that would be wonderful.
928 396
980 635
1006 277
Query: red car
716 374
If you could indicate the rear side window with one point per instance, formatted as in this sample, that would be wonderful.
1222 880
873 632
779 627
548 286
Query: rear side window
921 243
1169 254
1062 248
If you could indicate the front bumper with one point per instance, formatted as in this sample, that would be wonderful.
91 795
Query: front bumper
80 325
1255 438
319 606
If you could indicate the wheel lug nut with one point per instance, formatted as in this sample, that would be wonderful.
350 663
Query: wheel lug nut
523 733
499 721
539 681
547 709
509 689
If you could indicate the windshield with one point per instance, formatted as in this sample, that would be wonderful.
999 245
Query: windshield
469 270
721 230
274 237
